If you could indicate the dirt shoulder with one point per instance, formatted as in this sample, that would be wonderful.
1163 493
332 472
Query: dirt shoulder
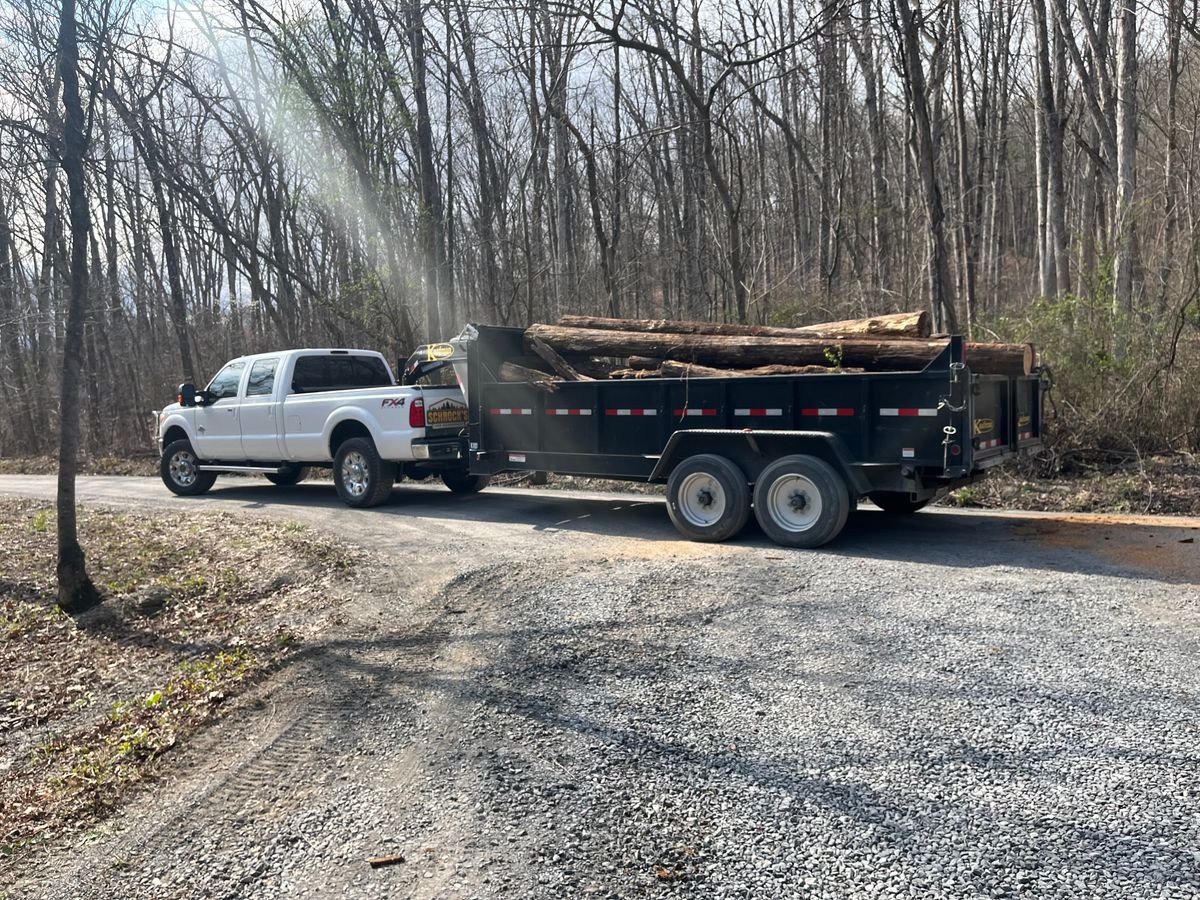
198 608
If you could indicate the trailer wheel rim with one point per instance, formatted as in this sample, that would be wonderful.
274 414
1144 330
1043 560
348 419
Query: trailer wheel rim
355 476
794 503
701 500
182 468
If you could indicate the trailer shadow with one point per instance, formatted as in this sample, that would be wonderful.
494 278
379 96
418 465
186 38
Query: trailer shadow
1132 547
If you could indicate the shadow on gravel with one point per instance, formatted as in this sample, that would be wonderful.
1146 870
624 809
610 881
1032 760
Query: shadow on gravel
1075 544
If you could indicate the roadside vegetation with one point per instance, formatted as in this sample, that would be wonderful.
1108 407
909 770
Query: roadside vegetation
196 610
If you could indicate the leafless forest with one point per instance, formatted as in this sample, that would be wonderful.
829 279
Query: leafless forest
265 173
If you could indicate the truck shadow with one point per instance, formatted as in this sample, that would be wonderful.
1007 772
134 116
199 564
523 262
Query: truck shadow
1133 547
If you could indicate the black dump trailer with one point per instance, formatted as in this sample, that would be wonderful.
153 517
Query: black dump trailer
798 450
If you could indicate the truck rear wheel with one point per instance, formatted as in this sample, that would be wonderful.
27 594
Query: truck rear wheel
708 498
288 475
463 482
801 501
180 472
897 503
362 479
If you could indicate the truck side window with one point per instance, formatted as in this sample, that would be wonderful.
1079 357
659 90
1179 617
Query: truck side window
262 378
312 374
227 381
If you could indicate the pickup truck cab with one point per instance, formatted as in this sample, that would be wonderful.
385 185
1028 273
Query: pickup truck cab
280 414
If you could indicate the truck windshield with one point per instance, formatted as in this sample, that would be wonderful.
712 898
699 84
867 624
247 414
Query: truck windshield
339 373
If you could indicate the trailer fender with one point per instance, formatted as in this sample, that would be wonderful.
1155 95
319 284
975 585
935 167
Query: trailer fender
753 451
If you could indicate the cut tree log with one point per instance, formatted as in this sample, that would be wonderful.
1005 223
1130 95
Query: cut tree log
894 325
557 363
673 369
596 368
543 381
745 351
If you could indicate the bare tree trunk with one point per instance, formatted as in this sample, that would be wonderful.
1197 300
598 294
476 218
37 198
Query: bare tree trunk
925 159
76 592
1127 135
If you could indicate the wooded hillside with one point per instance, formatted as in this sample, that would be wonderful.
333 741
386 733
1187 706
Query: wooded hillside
270 174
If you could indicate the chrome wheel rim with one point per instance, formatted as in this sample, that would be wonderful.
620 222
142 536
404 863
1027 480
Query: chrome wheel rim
355 476
794 503
701 500
183 468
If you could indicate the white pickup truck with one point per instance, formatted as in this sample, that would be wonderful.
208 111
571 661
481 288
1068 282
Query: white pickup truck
279 414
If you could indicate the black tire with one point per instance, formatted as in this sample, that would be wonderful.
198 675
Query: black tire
362 479
289 475
708 498
178 470
462 482
801 501
897 503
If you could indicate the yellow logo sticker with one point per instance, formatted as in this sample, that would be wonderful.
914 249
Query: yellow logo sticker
983 426
1023 421
439 351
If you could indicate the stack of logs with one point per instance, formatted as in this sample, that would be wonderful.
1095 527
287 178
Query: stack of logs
586 348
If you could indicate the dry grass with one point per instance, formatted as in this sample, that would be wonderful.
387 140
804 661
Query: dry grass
196 609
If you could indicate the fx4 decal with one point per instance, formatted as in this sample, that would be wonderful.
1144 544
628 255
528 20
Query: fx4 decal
391 401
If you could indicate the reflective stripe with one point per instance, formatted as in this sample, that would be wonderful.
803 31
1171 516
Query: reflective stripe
511 412
631 412
908 411
827 411
696 411
568 412
758 411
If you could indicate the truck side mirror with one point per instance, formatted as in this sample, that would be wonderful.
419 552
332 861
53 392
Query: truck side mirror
187 394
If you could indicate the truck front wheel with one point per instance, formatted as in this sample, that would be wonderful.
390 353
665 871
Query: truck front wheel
463 482
801 501
180 471
708 498
362 479
897 503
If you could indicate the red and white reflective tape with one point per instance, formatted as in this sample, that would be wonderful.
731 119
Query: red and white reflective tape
558 411
908 452
758 411
988 445
631 412
696 411
908 411
511 412
1025 436
827 411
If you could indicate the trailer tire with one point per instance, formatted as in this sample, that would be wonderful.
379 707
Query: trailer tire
708 498
361 477
288 475
178 470
801 501
897 503
462 482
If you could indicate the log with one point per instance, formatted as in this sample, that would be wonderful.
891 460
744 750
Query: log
895 325
596 368
745 351
672 369
557 363
543 381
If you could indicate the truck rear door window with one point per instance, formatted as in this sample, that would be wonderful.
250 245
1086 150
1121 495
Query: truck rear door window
262 378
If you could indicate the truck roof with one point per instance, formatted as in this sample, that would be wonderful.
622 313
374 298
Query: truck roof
310 350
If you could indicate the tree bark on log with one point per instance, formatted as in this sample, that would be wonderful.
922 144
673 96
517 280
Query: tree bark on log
894 325
672 369
557 363
516 373
744 351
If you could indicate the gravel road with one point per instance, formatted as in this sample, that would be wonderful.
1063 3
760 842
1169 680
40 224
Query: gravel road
550 695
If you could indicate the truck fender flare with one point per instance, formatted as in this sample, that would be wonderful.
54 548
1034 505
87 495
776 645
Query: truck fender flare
350 414
178 420
827 445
